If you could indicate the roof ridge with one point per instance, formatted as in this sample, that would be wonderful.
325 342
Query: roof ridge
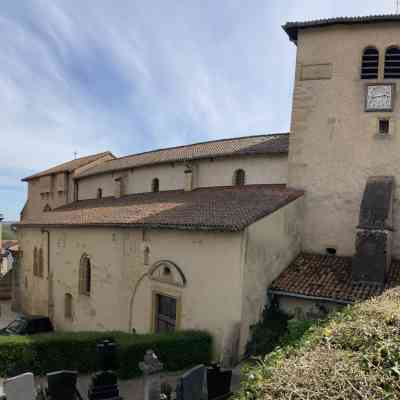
47 171
197 143
291 27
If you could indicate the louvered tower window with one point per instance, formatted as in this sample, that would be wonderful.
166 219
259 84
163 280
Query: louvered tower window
370 63
392 63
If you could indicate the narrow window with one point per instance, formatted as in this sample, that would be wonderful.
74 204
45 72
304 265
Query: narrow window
155 185
68 306
146 255
384 126
392 63
370 63
40 263
165 313
46 208
239 178
85 275
35 261
99 193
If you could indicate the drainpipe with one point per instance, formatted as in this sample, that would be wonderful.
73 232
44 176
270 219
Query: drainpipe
50 300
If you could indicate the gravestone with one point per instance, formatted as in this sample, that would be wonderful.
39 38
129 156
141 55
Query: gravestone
21 387
104 385
61 385
192 385
218 381
151 368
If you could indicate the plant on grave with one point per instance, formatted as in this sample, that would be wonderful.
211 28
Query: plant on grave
266 334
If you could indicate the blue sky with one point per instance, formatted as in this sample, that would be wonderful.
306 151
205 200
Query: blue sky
130 76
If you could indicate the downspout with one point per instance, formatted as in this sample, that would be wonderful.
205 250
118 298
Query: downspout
50 300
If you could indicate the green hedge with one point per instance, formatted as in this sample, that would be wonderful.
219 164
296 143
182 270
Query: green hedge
77 350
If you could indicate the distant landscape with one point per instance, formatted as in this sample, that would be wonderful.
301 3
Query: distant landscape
8 233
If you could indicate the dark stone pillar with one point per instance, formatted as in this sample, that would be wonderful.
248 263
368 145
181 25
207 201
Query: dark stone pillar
372 260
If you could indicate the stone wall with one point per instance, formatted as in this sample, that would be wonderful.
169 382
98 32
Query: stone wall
334 144
211 298
206 173
272 244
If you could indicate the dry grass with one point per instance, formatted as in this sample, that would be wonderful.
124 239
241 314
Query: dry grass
354 355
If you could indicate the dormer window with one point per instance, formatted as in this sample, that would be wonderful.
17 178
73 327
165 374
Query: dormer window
239 178
392 63
155 185
370 63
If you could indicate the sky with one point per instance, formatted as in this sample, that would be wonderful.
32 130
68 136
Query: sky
130 76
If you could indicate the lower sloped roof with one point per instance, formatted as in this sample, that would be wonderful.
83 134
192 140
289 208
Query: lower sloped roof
212 209
328 277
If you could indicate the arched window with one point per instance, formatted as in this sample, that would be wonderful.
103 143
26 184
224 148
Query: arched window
99 193
35 261
370 63
239 177
85 275
392 63
40 263
68 312
155 185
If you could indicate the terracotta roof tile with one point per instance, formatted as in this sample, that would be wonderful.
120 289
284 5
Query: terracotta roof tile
292 28
69 166
6 244
249 145
214 209
328 277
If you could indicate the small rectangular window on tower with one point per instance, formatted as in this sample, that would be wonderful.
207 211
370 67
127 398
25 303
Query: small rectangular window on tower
384 126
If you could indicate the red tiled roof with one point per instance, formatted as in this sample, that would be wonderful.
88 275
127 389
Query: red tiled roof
292 28
6 244
69 166
213 209
248 145
328 277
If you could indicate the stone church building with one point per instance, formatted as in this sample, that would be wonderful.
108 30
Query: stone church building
203 236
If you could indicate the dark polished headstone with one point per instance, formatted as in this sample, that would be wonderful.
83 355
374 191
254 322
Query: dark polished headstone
218 381
192 385
104 385
61 385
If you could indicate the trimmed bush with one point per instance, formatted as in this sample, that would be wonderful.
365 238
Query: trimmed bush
77 350
266 334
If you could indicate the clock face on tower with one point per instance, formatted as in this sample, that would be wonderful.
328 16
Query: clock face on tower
379 98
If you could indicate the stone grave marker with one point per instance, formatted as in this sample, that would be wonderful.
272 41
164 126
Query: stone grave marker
21 387
61 385
151 368
192 385
104 385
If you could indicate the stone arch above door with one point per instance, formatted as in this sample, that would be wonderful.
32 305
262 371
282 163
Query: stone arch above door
166 271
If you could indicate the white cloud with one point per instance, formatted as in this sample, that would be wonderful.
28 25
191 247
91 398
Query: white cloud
127 76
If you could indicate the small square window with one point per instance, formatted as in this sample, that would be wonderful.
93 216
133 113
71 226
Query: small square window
383 126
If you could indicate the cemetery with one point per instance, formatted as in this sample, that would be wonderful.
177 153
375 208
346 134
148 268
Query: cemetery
199 383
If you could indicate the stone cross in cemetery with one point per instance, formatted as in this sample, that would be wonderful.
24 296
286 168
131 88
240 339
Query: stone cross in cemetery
151 368
104 384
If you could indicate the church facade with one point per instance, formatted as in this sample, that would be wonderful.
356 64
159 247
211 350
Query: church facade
204 236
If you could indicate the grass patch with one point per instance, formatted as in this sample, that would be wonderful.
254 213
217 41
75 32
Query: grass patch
355 354
8 233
